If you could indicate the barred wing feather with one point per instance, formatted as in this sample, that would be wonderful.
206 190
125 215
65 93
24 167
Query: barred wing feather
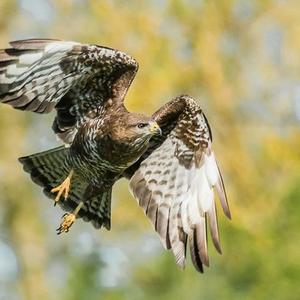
175 183
76 79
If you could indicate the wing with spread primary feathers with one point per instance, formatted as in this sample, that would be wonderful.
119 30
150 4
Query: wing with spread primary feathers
77 79
174 182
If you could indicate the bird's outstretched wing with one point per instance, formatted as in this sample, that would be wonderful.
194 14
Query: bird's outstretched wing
76 79
174 182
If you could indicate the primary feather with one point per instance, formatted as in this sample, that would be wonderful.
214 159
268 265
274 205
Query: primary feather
76 79
173 175
180 171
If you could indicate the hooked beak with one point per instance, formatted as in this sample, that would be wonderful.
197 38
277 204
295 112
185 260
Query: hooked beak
154 128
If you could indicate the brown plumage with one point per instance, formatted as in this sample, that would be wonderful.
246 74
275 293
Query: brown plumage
167 157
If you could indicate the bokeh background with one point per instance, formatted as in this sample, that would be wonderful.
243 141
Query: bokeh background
241 59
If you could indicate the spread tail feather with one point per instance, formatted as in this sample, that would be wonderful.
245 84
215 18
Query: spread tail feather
48 169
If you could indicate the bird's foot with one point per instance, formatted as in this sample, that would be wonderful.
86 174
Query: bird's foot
67 222
63 188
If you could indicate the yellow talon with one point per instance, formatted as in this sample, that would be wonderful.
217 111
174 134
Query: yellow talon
63 188
67 222
69 219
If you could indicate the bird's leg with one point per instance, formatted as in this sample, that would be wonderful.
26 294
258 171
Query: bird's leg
63 188
69 219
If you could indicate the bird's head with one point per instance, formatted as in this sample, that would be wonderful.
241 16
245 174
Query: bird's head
134 128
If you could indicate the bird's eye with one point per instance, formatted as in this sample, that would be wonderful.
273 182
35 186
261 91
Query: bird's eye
142 125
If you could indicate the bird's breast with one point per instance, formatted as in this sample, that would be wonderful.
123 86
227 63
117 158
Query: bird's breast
103 159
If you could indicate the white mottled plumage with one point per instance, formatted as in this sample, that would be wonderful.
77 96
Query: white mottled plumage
175 187
56 47
30 58
211 168
36 74
14 70
173 178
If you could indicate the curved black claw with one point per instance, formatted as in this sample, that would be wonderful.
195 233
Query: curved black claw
67 222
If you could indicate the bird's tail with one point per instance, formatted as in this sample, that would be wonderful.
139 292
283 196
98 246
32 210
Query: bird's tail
48 169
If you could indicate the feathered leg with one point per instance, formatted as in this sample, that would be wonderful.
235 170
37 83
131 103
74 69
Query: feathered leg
63 188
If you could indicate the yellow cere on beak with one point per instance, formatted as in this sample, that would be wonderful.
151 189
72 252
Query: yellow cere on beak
154 128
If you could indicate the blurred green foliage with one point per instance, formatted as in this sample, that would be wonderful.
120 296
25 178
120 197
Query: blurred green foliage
240 58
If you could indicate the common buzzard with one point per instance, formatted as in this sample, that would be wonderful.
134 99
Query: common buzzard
167 157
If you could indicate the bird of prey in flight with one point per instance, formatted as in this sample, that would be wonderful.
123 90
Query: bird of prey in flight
167 157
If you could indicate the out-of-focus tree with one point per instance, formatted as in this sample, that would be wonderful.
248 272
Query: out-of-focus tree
22 228
241 60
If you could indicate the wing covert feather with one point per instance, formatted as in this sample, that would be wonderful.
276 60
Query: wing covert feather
177 177
77 79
